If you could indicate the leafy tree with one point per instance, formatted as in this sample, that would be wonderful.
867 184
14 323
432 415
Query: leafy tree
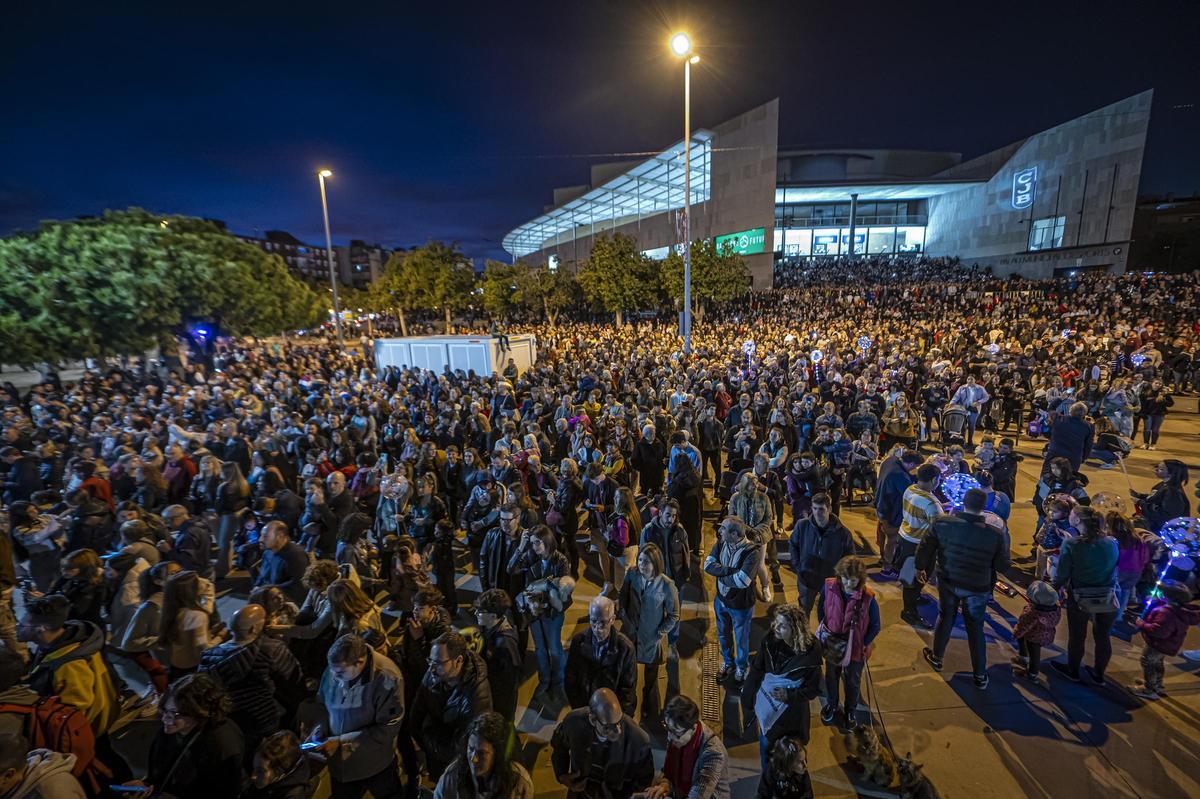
428 277
717 275
130 280
541 290
501 289
617 277
398 288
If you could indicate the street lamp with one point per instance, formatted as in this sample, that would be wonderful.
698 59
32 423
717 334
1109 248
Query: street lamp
337 311
681 45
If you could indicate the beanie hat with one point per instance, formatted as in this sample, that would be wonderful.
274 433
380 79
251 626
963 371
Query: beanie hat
1175 591
1042 593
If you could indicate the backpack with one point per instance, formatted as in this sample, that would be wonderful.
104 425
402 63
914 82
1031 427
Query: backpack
52 724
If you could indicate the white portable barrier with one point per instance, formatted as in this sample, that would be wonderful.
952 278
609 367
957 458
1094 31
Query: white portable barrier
479 353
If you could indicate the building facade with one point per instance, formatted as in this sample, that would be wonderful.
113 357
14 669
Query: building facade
356 265
1057 201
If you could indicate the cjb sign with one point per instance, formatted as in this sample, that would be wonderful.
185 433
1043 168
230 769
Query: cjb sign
1023 188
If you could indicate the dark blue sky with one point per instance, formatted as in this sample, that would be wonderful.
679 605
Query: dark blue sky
455 120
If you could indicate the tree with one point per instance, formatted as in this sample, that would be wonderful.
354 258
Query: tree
398 287
131 280
618 277
717 276
501 287
549 291
432 276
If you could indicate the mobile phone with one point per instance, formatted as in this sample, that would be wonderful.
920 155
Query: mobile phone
308 746
128 788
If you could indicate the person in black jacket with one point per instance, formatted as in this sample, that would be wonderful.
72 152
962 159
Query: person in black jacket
23 478
453 691
82 582
686 489
598 751
650 461
1167 500
666 533
818 542
969 554
601 657
280 770
501 649
261 675
198 750
1071 437
191 542
788 652
1155 400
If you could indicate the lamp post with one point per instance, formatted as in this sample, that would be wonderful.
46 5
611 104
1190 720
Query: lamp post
681 45
337 310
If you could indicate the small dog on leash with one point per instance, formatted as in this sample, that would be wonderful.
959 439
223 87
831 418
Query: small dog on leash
914 784
875 759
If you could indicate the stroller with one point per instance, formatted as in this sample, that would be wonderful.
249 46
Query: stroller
953 423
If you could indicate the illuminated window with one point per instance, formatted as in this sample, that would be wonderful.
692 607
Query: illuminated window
1047 233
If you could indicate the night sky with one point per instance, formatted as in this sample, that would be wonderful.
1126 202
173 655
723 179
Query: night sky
455 121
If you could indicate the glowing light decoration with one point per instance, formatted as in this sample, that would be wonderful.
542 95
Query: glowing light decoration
1066 333
993 348
956 486
1182 538
864 343
817 356
1137 359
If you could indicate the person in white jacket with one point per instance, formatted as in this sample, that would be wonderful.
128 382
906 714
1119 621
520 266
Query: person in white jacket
36 773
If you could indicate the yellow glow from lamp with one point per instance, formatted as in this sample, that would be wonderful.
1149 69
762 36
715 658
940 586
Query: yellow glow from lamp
681 44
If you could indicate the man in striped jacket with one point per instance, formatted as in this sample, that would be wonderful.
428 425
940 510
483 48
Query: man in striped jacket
919 508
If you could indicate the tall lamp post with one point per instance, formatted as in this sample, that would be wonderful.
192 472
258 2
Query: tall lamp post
337 310
681 45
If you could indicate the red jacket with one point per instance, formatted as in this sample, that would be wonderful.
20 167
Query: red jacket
1165 625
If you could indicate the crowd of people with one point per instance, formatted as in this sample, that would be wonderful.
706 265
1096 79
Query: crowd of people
403 539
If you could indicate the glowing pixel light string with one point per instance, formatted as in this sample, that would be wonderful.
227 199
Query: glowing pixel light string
864 343
956 486
1181 536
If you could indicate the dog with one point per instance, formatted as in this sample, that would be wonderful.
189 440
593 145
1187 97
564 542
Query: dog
914 784
876 760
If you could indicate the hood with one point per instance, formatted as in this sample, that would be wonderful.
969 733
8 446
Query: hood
1190 613
44 774
80 639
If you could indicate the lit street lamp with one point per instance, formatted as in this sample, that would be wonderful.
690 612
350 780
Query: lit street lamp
681 45
337 311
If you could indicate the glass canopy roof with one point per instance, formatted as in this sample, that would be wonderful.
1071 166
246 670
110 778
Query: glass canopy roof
651 187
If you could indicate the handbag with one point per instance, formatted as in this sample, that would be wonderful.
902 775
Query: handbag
1099 600
835 644
553 517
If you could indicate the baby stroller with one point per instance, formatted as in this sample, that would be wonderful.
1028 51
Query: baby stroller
954 425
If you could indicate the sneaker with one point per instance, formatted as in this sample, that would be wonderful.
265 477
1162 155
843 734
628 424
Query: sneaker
1019 661
724 673
934 662
846 722
915 620
1145 692
828 714
1064 670
981 681
1107 466
1152 446
889 574
739 676
1023 673
1096 676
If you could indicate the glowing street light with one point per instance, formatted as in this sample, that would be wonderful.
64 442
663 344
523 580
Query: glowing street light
337 315
681 45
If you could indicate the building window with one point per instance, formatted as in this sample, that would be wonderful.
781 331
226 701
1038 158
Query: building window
1047 233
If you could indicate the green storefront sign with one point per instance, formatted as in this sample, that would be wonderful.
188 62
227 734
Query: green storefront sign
747 242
